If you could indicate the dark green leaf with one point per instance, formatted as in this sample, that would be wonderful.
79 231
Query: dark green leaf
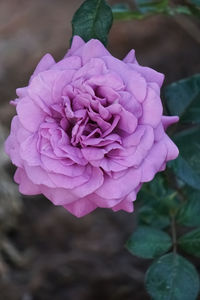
185 172
187 165
189 213
148 242
183 99
158 196
150 216
190 242
172 277
92 20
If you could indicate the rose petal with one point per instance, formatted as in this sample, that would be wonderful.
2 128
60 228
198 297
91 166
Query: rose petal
81 207
29 151
127 122
30 115
154 161
77 42
149 74
169 120
26 186
126 204
95 181
134 81
45 63
130 57
69 63
118 188
152 109
91 49
38 176
172 150
11 145
58 196
93 153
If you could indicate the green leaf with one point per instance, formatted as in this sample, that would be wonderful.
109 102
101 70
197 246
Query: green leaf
187 165
172 277
189 213
150 216
148 242
185 172
190 242
92 20
183 99
158 196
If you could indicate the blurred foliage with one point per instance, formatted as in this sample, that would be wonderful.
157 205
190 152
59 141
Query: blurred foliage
146 8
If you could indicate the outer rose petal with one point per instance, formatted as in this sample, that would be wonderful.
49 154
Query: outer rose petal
59 196
21 92
46 89
126 204
30 115
77 42
26 186
120 187
172 150
104 203
169 120
150 74
151 116
154 161
72 62
12 145
38 176
130 57
45 63
29 151
93 48
81 207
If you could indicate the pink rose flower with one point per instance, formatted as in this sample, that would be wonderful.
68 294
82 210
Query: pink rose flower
89 130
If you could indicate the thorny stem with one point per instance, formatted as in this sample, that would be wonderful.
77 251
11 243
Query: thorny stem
173 228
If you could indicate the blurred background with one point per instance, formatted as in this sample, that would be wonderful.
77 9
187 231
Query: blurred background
46 253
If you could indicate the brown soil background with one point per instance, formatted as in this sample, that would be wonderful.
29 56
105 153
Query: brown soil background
47 254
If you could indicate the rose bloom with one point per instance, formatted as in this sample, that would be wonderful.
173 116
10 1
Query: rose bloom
89 130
